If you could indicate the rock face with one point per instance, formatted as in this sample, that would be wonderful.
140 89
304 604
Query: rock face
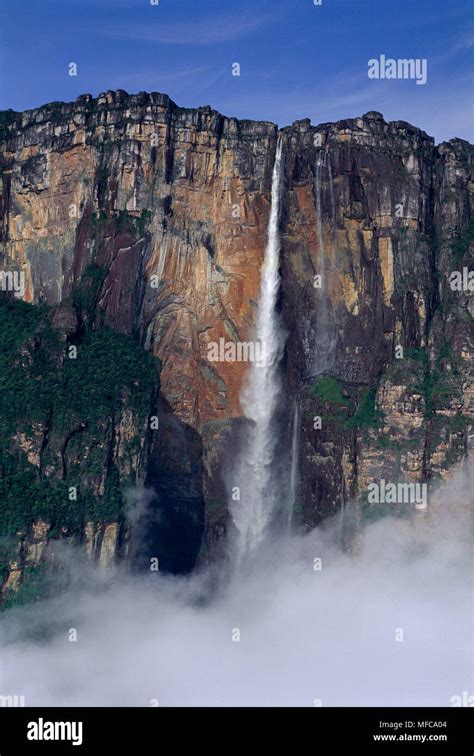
151 220
75 436
385 218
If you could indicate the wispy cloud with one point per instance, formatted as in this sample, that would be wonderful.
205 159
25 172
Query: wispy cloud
455 47
169 78
464 42
205 31
349 95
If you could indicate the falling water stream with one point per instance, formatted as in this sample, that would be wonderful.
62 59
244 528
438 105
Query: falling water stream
254 512
324 333
326 343
293 493
323 161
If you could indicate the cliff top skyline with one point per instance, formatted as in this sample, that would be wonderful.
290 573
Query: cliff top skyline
115 99
272 61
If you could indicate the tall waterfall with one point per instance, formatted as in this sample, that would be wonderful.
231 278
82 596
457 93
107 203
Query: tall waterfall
333 209
323 160
254 512
295 443
317 191
324 334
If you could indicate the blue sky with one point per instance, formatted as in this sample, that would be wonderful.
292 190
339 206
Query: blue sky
297 60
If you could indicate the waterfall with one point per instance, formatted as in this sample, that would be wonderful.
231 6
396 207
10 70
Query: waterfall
294 463
254 511
323 160
341 512
333 210
317 191
324 335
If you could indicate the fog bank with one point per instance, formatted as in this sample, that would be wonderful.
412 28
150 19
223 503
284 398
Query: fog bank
391 625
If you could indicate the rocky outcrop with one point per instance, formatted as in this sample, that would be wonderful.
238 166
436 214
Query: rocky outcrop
151 220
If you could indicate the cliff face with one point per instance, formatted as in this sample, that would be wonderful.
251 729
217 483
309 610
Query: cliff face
151 220
75 437
385 218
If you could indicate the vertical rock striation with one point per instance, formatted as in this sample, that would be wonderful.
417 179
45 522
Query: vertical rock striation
129 213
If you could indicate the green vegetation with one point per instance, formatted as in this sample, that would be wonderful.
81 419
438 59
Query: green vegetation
19 321
366 414
143 220
24 497
98 220
110 366
35 586
66 411
438 386
358 415
124 222
87 292
121 221
7 554
329 390
418 354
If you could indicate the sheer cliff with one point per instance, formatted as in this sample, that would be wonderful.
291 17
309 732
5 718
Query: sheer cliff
138 228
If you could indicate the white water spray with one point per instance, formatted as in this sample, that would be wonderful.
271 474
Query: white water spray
294 463
253 514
